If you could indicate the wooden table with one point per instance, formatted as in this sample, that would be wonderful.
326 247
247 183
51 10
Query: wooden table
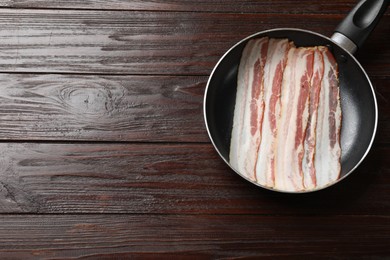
104 151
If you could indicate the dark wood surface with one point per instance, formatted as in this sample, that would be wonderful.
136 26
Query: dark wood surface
104 152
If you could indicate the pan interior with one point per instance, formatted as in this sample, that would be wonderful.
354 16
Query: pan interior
357 99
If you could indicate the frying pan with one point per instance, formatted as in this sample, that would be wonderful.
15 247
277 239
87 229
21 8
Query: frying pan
358 102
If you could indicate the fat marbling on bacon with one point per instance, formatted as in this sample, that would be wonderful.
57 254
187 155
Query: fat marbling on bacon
328 150
249 108
273 76
294 117
308 167
287 116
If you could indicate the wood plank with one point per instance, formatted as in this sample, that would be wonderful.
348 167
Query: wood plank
184 43
166 179
382 93
193 237
108 108
280 6
118 108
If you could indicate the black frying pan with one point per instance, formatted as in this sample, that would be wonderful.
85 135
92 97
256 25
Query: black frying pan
358 102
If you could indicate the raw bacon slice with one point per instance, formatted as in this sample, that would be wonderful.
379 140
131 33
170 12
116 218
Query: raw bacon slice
328 150
293 122
287 117
273 75
249 108
309 171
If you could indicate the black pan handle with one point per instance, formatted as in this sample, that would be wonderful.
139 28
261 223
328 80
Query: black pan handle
359 23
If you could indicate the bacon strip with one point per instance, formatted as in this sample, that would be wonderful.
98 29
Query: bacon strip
287 117
273 75
328 150
293 122
309 170
248 113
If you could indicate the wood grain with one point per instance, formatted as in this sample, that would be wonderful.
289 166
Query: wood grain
102 108
285 6
189 237
118 108
104 153
166 179
139 42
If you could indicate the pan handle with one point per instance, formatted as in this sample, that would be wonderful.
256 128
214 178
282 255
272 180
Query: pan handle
358 24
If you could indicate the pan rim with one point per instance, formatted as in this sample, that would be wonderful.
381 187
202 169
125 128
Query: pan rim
368 148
